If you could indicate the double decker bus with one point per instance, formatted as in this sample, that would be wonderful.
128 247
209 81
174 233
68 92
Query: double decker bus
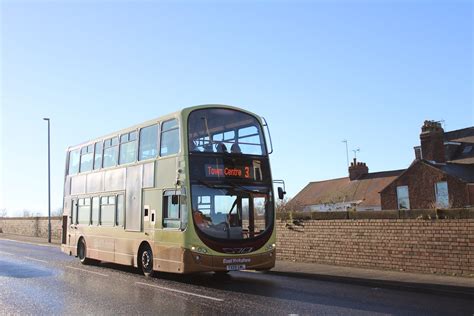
188 192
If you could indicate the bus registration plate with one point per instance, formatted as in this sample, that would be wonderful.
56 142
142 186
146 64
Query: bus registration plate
235 267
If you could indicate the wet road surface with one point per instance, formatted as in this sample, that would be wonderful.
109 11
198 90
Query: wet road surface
37 279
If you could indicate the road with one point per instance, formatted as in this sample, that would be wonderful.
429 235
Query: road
38 279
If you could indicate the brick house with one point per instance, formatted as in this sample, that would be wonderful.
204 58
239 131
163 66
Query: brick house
441 176
359 191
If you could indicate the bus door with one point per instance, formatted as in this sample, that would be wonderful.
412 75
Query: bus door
64 230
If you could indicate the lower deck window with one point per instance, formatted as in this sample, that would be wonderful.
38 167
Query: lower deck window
83 211
120 218
112 210
95 211
174 210
107 210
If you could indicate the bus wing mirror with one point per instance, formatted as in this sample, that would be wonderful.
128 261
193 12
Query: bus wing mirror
281 193
281 190
174 199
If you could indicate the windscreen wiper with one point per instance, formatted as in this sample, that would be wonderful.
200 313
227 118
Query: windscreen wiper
230 184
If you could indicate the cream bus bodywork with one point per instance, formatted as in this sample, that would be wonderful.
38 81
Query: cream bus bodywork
143 185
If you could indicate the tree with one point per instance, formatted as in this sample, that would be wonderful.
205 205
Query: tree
57 212
283 205
3 212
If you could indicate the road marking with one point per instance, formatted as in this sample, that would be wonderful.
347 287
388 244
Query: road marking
30 243
35 259
7 253
84 270
182 292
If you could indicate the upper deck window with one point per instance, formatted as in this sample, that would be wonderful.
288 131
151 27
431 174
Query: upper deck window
87 156
128 147
98 155
148 142
225 131
74 157
169 138
110 152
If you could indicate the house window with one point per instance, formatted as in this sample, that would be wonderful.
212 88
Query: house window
403 199
442 197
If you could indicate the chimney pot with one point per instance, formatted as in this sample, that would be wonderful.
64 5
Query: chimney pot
357 170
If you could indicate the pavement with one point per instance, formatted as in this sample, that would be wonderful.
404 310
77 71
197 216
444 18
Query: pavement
417 282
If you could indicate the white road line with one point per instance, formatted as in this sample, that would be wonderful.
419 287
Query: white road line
182 292
30 243
105 275
35 259
8 253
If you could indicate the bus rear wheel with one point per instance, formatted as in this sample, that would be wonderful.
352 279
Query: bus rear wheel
82 252
146 261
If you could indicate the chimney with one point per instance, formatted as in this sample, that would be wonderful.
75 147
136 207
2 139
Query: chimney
432 142
417 152
357 170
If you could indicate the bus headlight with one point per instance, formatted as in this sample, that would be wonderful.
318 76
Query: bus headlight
199 249
270 247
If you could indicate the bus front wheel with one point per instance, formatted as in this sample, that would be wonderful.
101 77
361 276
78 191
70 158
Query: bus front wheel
146 260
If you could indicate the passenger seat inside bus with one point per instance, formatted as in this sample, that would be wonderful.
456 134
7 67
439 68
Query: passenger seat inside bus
235 149
221 148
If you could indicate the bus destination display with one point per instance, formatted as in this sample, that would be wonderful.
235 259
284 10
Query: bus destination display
252 171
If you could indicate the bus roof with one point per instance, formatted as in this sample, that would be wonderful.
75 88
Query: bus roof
176 114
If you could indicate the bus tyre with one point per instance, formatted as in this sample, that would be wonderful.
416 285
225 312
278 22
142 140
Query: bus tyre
82 252
146 261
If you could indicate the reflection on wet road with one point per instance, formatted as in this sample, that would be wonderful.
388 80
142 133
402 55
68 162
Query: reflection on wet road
41 280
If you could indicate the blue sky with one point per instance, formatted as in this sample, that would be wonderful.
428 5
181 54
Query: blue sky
319 71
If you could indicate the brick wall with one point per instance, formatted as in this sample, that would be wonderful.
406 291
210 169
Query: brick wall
421 179
444 246
429 246
31 226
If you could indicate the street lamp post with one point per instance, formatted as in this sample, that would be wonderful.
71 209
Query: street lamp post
49 184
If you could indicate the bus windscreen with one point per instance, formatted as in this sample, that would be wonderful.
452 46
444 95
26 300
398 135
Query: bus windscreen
225 131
